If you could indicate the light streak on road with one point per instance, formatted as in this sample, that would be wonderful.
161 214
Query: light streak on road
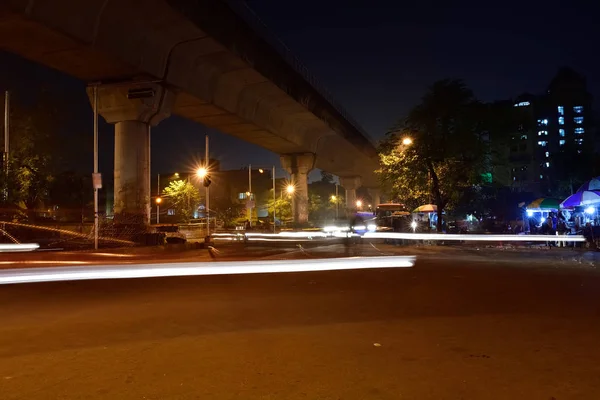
42 262
30 275
18 247
473 237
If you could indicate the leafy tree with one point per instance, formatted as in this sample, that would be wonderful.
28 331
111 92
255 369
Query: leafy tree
283 208
33 144
326 177
572 166
184 197
227 210
447 152
73 194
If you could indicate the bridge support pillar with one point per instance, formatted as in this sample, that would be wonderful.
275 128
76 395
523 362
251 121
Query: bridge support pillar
350 184
133 110
298 166
375 197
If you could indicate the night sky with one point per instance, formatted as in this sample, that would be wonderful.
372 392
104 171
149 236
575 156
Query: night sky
377 58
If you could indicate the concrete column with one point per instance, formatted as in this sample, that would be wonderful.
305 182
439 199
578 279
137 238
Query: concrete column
132 190
299 166
133 109
350 183
375 197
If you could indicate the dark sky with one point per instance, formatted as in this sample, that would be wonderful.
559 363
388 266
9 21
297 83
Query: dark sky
377 58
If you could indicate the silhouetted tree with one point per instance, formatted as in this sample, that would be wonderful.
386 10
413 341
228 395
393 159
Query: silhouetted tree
447 152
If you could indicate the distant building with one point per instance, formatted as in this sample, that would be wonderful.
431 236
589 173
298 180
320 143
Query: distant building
547 124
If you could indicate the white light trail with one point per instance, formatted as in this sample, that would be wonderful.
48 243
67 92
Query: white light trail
30 275
18 246
472 237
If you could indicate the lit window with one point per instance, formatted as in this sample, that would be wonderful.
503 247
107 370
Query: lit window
578 151
522 104
523 137
543 143
578 120
561 120
547 154
241 196
578 109
561 110
561 132
542 122
579 141
541 176
171 211
542 133
579 131
561 142
547 164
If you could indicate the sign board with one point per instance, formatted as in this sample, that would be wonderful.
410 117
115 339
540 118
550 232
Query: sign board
250 204
97 181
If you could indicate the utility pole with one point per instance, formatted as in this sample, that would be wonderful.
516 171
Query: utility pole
250 193
96 176
274 200
158 200
6 139
337 200
207 162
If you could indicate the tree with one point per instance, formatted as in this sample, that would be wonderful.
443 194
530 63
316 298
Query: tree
283 208
226 210
33 156
447 151
572 166
184 197
73 194
326 177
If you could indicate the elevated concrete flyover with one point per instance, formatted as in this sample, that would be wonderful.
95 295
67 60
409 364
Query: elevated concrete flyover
202 59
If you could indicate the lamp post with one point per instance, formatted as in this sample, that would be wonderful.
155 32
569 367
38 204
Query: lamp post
96 176
158 199
249 193
6 138
274 199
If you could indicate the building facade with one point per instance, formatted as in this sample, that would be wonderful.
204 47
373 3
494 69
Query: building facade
550 125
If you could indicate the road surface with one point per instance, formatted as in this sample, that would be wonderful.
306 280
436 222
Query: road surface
441 330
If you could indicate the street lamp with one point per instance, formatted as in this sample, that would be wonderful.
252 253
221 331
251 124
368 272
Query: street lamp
290 189
358 204
201 172
407 141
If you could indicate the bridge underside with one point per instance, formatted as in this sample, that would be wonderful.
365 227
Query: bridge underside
229 80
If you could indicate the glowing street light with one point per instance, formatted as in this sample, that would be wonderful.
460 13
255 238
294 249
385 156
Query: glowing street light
261 170
158 200
359 204
290 189
202 172
407 141
333 198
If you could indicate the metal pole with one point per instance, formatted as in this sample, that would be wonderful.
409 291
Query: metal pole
149 174
157 197
337 201
274 200
95 167
6 139
250 193
207 162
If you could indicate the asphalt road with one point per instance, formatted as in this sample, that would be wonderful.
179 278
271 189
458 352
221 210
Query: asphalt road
441 330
